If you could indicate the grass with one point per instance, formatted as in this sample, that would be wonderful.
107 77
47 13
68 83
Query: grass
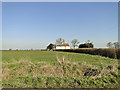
52 69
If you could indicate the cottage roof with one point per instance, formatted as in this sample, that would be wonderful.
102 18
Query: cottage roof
65 44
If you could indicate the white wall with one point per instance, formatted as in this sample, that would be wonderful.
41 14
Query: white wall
62 47
67 47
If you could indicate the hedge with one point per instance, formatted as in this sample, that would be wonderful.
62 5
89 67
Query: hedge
106 52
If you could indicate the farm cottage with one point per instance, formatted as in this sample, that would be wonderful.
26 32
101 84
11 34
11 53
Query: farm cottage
62 46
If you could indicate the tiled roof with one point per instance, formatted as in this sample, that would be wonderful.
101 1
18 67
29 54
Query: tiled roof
65 44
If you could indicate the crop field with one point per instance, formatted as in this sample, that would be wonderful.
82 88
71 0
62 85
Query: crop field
53 69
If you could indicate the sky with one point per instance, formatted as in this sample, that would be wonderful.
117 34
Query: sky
27 25
60 0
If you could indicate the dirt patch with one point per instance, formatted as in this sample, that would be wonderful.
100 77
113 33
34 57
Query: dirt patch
110 67
91 72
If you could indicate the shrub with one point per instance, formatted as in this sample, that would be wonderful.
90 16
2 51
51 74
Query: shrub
86 45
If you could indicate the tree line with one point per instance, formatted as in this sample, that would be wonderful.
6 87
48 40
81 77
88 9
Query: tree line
76 44
113 45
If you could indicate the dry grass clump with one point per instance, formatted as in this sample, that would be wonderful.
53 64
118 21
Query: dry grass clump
26 68
62 68
20 68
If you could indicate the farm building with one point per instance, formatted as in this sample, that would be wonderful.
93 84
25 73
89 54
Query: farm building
62 46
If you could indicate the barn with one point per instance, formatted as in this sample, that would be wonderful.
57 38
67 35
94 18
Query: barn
63 46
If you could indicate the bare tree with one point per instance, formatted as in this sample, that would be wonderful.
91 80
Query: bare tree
110 45
60 41
88 41
116 45
74 42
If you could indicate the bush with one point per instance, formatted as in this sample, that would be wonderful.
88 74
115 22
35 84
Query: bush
50 46
86 45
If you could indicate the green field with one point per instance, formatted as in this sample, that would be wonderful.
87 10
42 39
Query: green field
52 69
